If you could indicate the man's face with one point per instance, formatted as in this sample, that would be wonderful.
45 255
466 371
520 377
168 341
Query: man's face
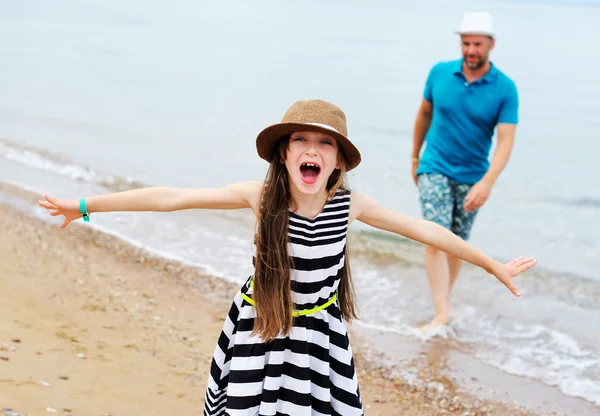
475 50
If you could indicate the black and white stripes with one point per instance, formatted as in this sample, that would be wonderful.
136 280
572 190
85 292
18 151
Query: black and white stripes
310 371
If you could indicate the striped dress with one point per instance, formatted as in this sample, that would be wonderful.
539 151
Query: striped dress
311 371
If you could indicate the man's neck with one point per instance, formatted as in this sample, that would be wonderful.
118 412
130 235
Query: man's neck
474 74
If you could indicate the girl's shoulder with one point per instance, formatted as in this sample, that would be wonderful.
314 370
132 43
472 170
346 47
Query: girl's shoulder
248 193
255 191
359 204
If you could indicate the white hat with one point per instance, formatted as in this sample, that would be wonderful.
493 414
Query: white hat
476 23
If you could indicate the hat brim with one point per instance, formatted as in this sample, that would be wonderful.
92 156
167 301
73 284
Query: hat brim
266 140
476 33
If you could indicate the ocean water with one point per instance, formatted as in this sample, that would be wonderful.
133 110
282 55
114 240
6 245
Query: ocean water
97 97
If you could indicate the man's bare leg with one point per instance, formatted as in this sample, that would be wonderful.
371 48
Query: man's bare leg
442 271
438 273
454 264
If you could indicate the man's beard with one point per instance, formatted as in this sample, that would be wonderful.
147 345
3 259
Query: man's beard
475 65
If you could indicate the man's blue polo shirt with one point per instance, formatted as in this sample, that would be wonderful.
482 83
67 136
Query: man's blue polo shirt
459 139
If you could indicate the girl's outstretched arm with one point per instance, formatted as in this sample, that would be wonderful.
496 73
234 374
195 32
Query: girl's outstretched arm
162 199
369 211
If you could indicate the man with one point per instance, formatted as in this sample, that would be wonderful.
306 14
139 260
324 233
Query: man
464 101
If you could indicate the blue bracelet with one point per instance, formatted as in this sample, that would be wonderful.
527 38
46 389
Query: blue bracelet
83 210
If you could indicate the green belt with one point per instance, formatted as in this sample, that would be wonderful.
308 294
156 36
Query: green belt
301 312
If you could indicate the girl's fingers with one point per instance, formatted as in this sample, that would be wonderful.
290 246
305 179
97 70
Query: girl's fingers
51 199
527 265
55 213
526 260
513 262
522 266
513 289
47 205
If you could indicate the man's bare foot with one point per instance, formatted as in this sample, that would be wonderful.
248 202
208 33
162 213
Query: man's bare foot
439 320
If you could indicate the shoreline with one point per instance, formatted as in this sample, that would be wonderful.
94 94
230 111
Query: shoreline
147 328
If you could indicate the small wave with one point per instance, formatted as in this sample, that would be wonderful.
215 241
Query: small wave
385 249
566 373
582 202
45 161
442 331
587 202
533 351
42 215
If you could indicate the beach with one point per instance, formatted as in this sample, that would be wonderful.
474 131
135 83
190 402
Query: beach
94 326
101 97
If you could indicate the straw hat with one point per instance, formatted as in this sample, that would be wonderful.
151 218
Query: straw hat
310 115
477 23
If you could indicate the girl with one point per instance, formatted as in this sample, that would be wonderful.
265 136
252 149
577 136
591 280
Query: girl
284 349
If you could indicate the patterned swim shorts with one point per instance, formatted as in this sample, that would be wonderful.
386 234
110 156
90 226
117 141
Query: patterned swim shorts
442 202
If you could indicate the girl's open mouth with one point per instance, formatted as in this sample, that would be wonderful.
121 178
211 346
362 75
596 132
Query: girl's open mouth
309 172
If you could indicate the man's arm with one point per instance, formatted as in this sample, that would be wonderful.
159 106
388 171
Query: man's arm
422 124
423 121
506 140
480 192
507 127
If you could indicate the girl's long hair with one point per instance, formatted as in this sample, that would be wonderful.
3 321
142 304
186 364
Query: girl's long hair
272 281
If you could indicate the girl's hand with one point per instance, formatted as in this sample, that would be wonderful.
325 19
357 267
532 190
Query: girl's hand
506 272
68 208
